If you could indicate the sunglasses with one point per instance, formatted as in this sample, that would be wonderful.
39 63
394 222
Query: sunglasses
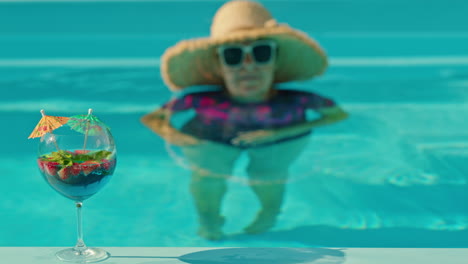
262 52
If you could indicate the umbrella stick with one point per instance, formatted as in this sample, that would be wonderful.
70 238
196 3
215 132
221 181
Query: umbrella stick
87 129
86 135
55 141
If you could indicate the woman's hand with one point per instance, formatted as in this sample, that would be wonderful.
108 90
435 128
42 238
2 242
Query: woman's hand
158 122
255 137
328 116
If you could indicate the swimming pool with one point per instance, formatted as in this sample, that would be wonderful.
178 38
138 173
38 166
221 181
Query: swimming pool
393 175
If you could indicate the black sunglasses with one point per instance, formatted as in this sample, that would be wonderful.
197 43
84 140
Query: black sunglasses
262 52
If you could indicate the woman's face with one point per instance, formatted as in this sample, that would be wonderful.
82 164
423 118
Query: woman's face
248 69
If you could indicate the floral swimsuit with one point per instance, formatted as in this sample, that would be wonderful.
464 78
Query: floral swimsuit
219 118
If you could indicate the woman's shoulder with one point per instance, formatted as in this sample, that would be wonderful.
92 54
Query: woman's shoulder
184 101
306 97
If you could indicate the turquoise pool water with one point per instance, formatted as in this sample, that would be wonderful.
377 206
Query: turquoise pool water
393 175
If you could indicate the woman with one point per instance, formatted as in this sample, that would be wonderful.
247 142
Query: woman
246 55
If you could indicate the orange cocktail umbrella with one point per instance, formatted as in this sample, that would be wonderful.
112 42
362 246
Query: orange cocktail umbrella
47 124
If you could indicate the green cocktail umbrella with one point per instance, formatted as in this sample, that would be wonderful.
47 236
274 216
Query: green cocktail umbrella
88 124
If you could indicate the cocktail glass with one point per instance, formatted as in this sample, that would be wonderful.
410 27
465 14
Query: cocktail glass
77 174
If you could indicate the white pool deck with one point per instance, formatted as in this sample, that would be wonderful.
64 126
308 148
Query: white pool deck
204 255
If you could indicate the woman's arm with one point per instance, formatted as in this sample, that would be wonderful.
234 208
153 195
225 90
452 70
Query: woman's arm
159 122
329 115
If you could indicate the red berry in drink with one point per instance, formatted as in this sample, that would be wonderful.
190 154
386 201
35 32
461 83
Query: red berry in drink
51 167
81 151
106 164
89 166
64 173
41 164
75 169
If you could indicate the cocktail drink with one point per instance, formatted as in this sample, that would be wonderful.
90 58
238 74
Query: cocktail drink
77 174
77 160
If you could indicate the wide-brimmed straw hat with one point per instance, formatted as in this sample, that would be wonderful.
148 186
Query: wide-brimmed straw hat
194 62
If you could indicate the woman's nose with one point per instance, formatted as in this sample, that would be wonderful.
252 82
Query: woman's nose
248 58
248 63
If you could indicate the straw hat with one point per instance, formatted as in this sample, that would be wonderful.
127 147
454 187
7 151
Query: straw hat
194 61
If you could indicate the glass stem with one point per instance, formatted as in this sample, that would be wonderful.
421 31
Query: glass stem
80 246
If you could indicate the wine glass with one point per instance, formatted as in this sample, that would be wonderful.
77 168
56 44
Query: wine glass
77 166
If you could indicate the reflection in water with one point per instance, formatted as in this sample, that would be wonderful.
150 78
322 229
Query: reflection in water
266 256
212 164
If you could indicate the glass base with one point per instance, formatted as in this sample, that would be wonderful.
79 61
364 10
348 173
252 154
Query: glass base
85 256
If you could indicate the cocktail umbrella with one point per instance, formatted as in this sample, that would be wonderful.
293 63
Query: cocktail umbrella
47 124
87 124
